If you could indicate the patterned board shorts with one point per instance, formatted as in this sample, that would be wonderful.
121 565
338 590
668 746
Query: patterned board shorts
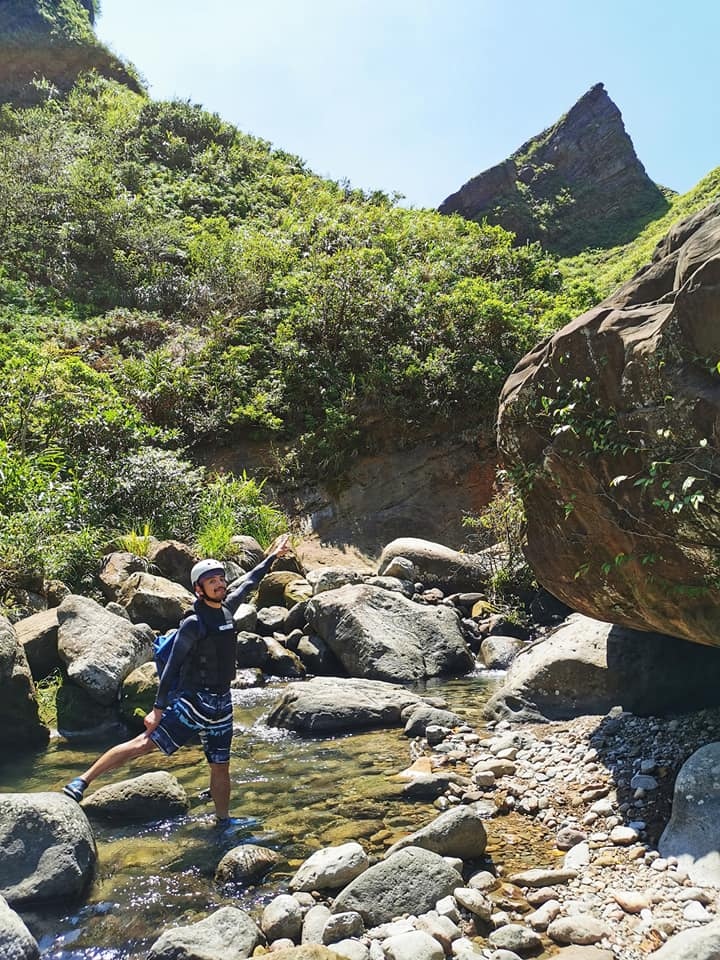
201 712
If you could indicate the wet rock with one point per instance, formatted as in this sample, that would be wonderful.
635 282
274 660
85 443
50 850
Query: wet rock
420 717
151 796
458 832
246 864
336 704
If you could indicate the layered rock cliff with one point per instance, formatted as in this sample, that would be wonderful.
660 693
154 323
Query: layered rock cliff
51 42
611 428
578 184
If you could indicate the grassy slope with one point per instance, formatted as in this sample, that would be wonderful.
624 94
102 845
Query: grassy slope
609 268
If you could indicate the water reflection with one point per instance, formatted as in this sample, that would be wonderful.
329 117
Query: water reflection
291 793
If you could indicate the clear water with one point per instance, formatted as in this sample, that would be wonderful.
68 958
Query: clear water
297 794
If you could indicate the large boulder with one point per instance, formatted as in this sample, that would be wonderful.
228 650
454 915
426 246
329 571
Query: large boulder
98 648
693 832
115 569
610 428
20 726
157 601
48 848
151 796
38 635
439 566
330 868
409 881
173 560
587 667
337 705
384 636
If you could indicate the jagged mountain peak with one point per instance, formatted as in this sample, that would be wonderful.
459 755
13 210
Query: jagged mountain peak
577 184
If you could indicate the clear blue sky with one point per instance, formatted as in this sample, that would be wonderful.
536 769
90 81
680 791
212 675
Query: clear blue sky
417 96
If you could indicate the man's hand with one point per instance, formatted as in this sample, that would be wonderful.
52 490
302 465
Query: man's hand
281 545
152 719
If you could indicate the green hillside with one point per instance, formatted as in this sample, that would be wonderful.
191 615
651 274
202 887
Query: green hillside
609 268
170 284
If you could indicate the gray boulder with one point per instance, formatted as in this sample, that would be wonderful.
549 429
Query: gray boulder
335 577
439 566
20 726
16 941
419 718
336 704
48 848
384 636
693 832
587 667
151 796
98 648
38 634
698 944
409 881
227 934
156 601
458 832
330 868
497 652
282 918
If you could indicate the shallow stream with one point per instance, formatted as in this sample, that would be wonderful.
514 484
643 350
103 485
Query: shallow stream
293 794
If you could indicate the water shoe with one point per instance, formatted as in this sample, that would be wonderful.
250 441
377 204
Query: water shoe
75 789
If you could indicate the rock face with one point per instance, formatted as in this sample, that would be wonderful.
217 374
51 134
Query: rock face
55 41
578 184
611 429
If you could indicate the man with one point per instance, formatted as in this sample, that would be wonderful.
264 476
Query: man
194 692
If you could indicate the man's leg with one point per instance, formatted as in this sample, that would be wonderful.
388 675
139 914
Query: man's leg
220 788
114 757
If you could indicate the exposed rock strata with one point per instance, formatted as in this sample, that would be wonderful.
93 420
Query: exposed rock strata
577 184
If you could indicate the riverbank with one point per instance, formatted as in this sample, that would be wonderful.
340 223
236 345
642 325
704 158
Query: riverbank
600 789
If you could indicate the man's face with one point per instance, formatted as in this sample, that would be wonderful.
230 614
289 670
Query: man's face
214 587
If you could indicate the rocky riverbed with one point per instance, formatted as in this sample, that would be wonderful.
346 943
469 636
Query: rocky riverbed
601 787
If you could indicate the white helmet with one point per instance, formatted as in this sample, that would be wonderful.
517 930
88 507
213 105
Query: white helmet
204 568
